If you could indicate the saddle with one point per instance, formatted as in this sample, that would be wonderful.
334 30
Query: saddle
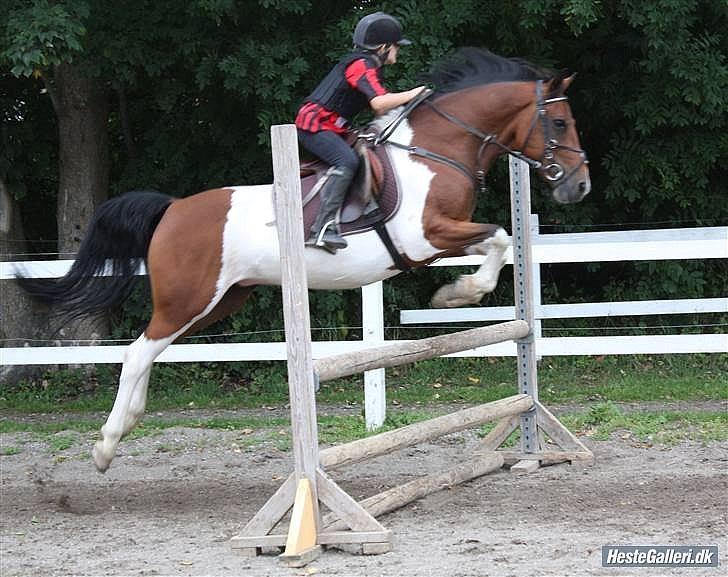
372 197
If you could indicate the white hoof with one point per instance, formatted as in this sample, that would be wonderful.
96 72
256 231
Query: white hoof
457 294
102 459
500 239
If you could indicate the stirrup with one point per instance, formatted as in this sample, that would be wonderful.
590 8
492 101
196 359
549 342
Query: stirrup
327 239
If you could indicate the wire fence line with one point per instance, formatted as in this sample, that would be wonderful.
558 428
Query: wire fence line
227 336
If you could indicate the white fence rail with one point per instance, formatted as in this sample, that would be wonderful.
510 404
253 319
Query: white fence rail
671 244
654 245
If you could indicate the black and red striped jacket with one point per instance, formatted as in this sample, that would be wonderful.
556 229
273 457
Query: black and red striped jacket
342 94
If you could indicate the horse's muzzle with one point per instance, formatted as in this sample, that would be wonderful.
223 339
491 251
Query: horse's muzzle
574 189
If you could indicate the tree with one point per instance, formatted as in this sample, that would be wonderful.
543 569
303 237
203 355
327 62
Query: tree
191 88
44 40
16 309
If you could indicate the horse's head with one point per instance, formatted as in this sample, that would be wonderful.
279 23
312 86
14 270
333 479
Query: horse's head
549 140
509 106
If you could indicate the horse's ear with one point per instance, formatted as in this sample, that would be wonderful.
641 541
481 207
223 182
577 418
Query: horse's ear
559 83
568 78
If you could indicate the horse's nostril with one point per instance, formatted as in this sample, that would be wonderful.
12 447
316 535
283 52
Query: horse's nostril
584 187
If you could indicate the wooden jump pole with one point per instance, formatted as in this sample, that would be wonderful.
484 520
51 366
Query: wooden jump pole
296 316
397 354
479 464
300 490
369 447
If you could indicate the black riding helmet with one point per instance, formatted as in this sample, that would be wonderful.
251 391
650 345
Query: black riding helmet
376 29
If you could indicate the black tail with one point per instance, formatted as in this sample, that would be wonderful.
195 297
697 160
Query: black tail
117 241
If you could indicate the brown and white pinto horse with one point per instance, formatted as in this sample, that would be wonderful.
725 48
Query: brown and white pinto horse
205 253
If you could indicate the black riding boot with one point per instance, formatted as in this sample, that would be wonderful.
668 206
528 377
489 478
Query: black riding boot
324 232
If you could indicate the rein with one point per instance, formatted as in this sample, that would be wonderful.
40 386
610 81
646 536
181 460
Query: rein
553 171
383 137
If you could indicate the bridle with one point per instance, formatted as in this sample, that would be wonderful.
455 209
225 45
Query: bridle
552 170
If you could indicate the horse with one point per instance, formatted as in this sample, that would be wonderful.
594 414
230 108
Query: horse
206 252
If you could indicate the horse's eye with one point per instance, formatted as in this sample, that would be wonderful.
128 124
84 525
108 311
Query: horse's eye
559 124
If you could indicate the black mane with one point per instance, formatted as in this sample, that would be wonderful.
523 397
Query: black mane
470 67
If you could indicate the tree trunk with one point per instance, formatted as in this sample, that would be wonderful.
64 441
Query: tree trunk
21 319
82 107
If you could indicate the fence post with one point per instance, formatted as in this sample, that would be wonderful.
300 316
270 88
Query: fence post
375 392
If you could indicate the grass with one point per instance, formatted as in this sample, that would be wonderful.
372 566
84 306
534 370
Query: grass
562 380
664 427
342 429
148 427
61 442
600 422
424 388
62 434
566 380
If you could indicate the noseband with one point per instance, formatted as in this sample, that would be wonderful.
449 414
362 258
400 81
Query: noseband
552 170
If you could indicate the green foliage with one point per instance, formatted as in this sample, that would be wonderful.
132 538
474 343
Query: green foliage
600 422
196 86
433 382
601 413
62 441
41 34
29 158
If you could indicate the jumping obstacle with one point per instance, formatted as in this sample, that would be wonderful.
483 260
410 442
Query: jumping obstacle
397 354
350 523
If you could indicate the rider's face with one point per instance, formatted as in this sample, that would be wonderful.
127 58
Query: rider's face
391 54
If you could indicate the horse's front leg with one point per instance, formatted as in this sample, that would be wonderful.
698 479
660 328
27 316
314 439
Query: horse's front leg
470 288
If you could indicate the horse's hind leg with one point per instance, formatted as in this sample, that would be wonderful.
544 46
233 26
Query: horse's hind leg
186 272
470 288
132 394
231 302
134 376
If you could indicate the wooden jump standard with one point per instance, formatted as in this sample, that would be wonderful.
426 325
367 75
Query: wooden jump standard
309 484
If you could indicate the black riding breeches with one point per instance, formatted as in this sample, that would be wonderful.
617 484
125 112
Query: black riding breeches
329 147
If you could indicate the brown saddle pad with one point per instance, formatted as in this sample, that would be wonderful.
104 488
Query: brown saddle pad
372 197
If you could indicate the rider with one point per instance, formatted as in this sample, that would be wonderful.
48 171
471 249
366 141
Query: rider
326 114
